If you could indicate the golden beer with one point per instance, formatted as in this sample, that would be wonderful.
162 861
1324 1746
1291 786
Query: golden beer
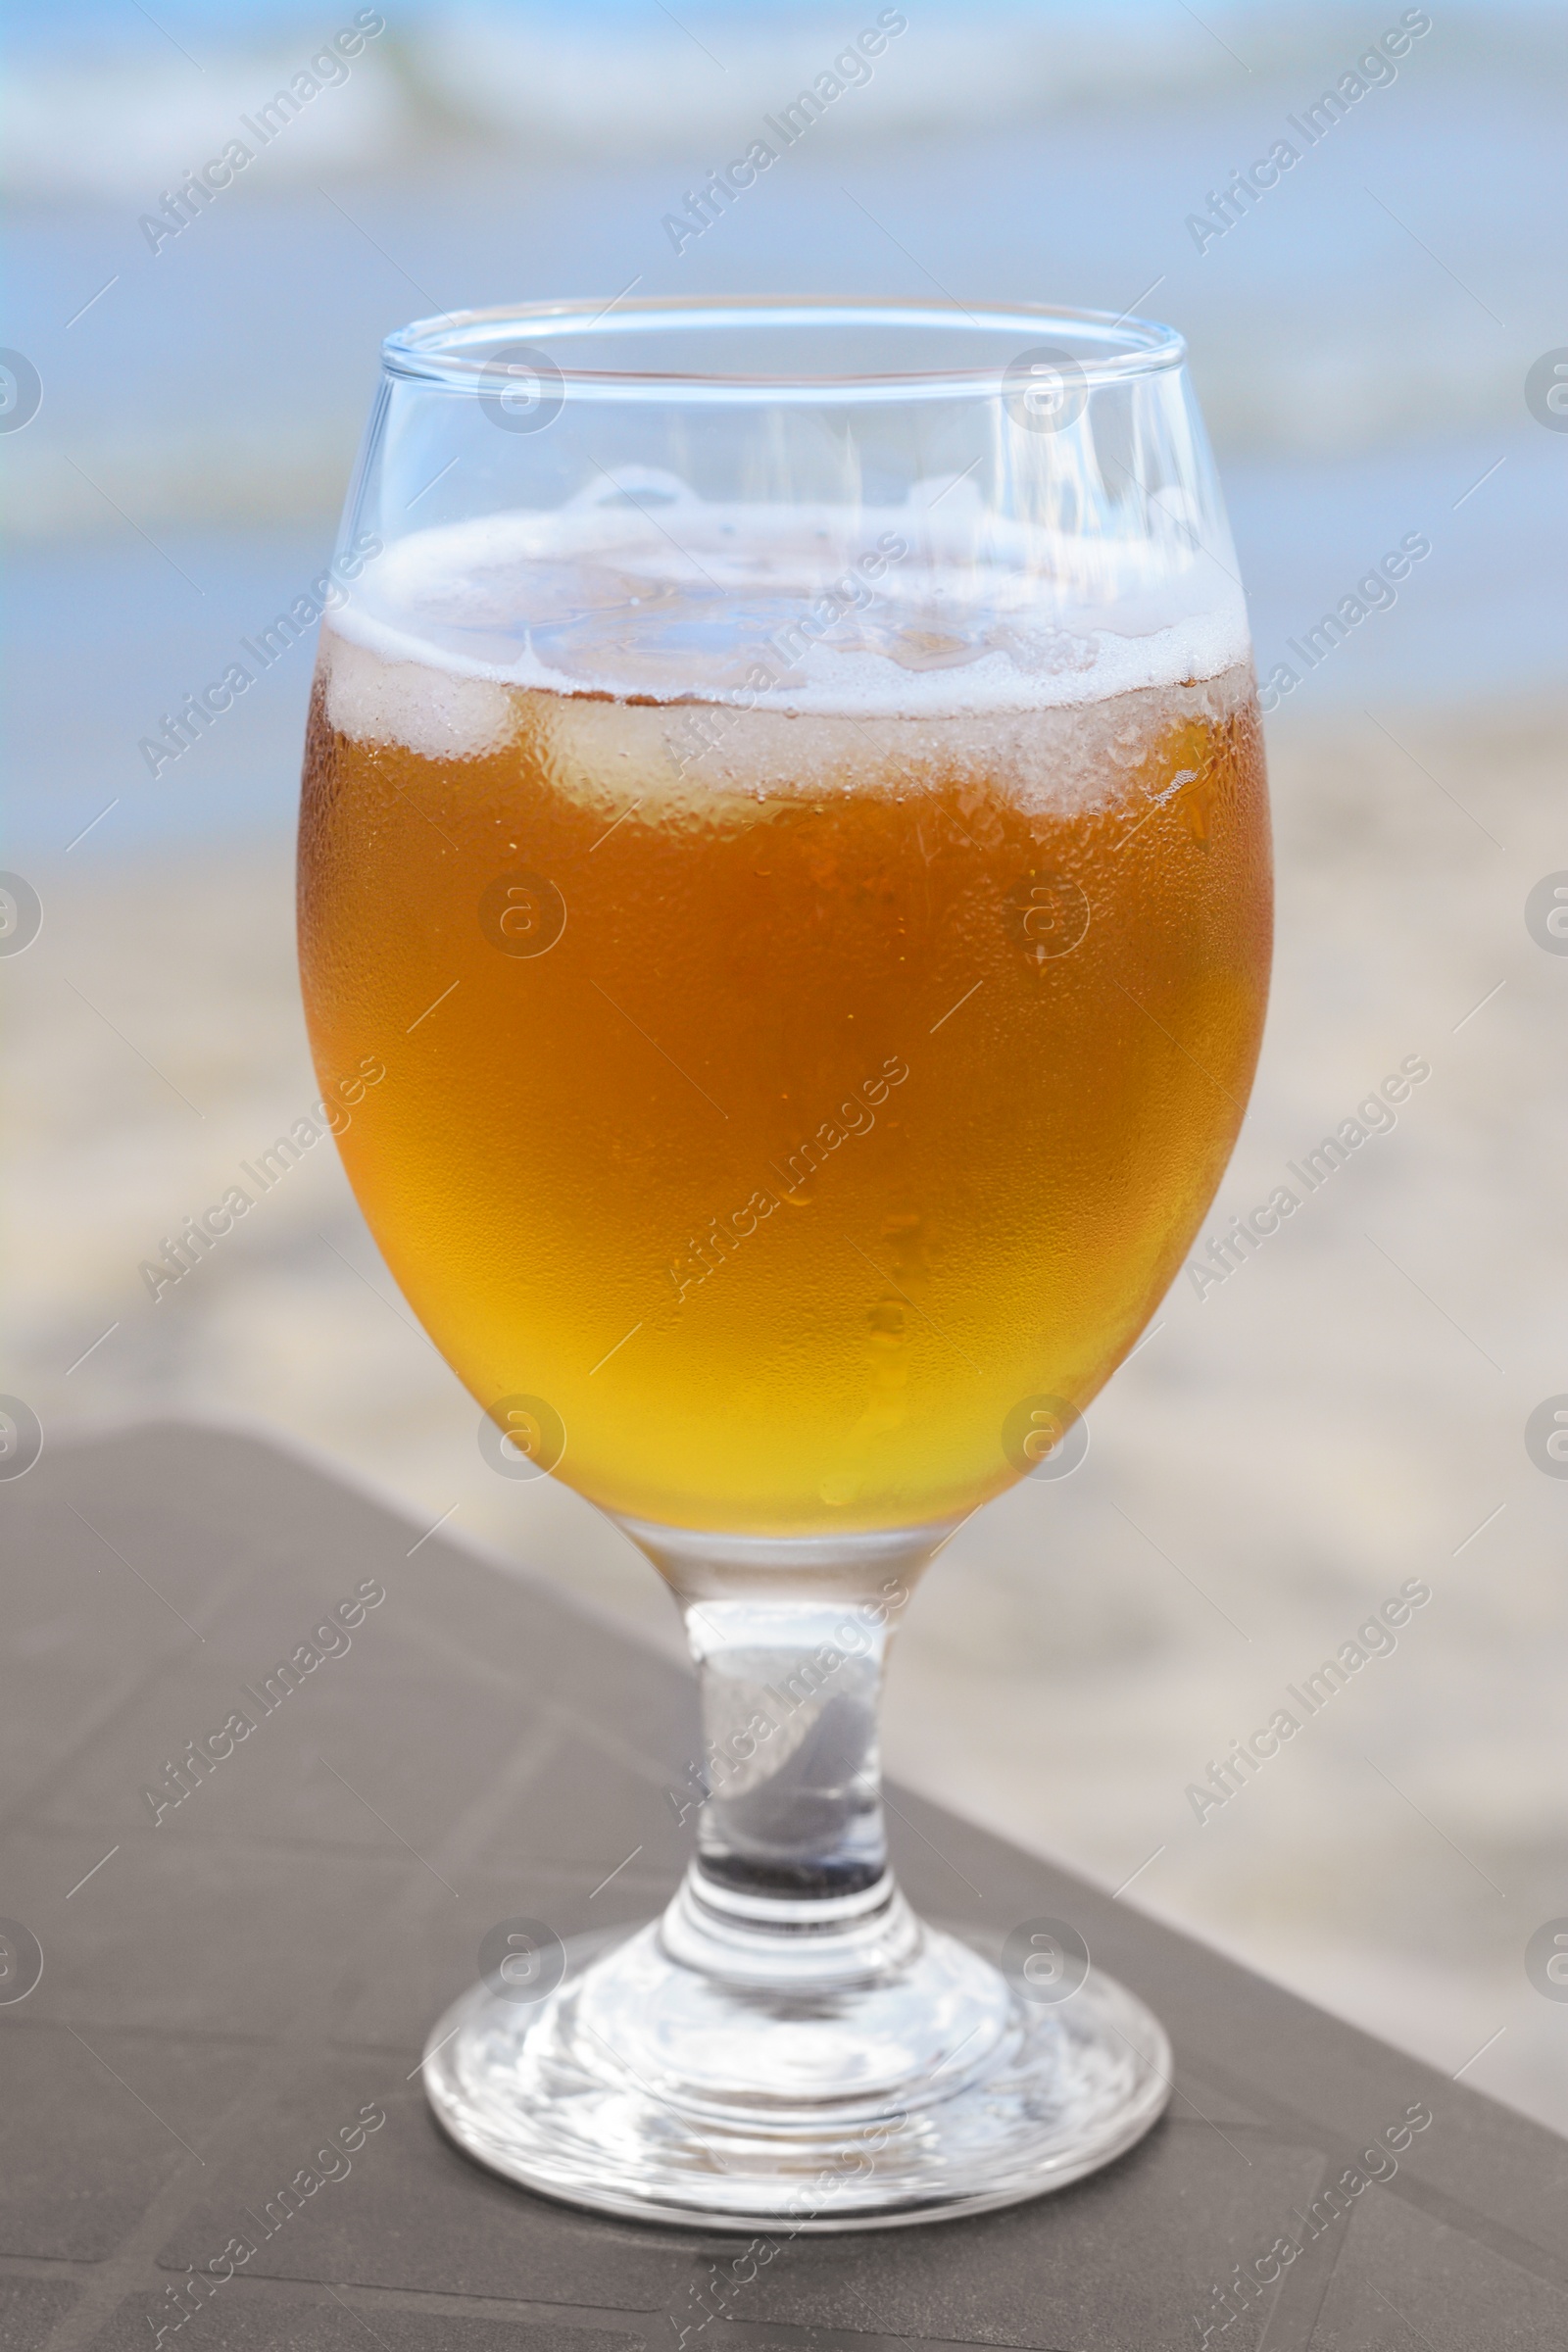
775 1099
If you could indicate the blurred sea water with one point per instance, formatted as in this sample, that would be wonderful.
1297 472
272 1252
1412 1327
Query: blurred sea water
1359 339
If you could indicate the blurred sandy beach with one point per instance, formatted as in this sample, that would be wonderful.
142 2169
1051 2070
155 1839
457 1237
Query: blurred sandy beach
1281 1454
1346 1412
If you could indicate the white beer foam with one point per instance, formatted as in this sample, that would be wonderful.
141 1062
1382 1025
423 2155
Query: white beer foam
421 704
920 615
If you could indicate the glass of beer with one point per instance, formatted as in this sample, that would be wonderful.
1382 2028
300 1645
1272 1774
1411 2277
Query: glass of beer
784 802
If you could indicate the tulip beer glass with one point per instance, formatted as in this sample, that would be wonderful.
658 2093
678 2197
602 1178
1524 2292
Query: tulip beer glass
784 799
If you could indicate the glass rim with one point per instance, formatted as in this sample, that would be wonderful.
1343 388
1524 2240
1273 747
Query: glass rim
456 348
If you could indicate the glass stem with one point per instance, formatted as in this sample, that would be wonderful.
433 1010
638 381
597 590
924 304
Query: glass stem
791 1763
790 1890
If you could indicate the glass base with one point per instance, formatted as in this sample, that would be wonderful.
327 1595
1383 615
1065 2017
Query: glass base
815 2066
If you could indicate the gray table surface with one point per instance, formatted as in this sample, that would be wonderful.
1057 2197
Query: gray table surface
227 1988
